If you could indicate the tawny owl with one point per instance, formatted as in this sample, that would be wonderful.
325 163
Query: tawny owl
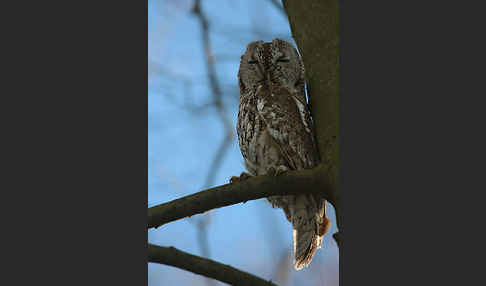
275 134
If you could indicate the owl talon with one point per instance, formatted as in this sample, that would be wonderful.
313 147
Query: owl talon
272 171
281 170
242 177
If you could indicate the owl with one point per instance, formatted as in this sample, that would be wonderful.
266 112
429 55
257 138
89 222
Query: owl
275 134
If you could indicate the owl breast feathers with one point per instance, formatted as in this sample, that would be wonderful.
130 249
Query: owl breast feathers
275 134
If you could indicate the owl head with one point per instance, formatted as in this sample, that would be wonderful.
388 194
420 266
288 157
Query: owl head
274 63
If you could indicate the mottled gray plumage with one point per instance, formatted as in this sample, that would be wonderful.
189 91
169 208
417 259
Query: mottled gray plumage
275 134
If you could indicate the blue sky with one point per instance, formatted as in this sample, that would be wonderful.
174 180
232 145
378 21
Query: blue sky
184 136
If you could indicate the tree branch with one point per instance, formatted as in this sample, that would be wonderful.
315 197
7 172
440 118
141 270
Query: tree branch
292 182
228 128
215 88
202 266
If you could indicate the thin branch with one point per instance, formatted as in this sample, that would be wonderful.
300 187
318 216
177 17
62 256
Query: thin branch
290 183
217 94
202 266
228 138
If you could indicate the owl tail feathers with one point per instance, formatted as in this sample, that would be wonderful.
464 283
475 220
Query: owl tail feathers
307 236
306 244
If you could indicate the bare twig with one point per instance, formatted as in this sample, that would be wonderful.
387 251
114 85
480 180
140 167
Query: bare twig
217 94
292 182
202 266
226 142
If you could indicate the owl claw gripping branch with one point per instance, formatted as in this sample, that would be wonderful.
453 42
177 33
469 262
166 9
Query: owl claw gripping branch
275 134
242 177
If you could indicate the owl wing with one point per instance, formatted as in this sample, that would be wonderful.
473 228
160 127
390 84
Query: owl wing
288 121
